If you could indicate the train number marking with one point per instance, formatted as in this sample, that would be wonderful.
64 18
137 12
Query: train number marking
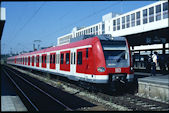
117 70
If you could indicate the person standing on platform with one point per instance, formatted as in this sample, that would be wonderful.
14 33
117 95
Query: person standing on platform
154 63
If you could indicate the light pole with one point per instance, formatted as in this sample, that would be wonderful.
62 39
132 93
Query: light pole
34 44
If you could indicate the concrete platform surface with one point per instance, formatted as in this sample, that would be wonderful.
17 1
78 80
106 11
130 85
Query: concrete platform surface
154 87
10 101
159 79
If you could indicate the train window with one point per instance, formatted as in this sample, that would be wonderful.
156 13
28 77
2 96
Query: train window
45 58
61 59
79 58
133 19
158 12
165 10
128 21
42 58
74 58
50 59
151 14
53 58
138 18
67 58
123 22
87 52
71 58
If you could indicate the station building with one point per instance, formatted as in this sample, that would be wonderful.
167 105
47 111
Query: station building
145 28
2 23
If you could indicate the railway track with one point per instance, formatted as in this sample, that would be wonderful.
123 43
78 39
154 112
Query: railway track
38 99
129 101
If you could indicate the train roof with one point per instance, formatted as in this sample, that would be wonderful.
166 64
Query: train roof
75 42
88 41
101 37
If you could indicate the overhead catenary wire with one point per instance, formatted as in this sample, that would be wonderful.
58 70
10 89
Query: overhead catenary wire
82 19
29 20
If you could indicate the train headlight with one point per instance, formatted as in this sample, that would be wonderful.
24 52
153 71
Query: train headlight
101 69
131 68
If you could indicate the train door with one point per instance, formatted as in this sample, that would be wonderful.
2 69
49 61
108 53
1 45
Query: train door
73 62
43 60
32 60
23 60
65 61
81 61
15 60
52 60
28 60
37 61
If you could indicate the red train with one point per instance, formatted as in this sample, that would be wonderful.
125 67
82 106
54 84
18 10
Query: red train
98 59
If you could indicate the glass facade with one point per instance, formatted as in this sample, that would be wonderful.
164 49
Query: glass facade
128 21
138 18
145 16
123 22
114 25
151 14
118 24
133 19
165 10
158 12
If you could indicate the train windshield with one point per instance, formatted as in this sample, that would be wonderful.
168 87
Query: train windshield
116 53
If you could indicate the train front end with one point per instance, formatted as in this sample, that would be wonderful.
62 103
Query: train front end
117 56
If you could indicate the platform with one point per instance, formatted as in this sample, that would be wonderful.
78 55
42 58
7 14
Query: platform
154 87
10 101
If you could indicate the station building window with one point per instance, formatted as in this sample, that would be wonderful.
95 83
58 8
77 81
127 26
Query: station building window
123 22
138 18
145 16
133 19
165 10
128 21
118 24
103 27
88 31
151 14
96 30
114 25
158 12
